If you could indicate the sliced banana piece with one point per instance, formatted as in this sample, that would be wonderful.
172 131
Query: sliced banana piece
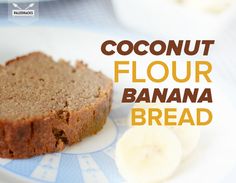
188 135
212 6
148 154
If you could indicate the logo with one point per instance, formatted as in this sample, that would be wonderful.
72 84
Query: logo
19 11
23 13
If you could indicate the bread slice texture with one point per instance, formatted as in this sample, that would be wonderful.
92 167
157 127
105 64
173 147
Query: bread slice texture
45 105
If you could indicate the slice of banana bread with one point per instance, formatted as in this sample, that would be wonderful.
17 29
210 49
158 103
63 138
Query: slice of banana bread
45 105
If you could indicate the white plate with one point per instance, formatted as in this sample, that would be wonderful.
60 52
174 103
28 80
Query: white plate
210 163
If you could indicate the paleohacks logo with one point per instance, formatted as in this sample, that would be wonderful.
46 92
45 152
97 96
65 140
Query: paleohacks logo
22 11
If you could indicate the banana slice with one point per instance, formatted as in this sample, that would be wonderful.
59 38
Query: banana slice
212 6
188 135
148 154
